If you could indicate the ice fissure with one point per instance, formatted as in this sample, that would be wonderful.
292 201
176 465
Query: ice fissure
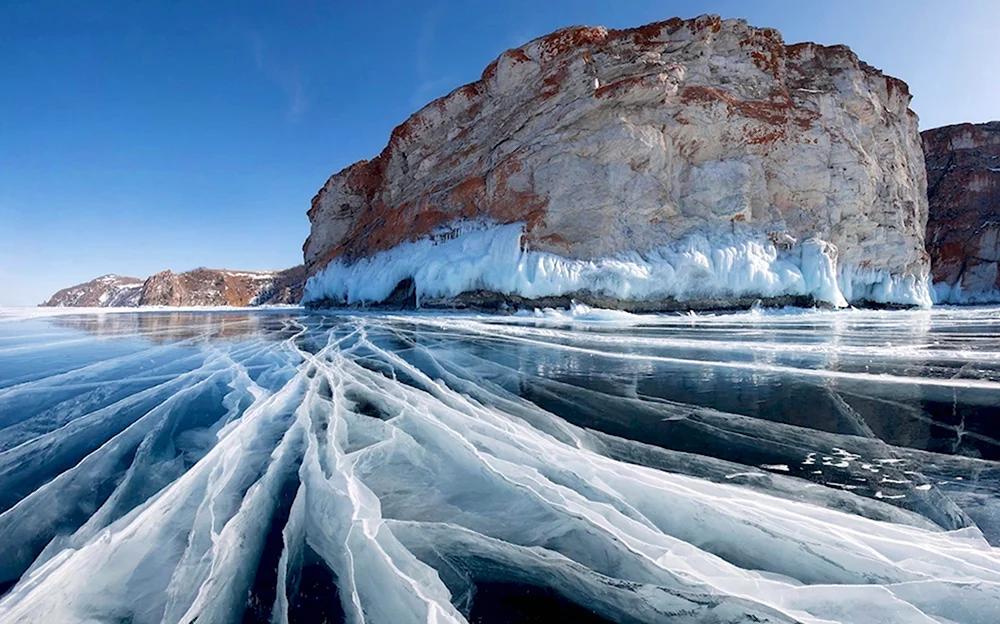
416 472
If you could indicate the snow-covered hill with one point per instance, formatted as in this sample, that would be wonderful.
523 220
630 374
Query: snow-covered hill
107 291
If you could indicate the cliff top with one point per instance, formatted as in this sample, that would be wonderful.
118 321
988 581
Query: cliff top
584 40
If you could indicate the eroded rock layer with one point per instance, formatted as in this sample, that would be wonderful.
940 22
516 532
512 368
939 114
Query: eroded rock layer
963 229
608 142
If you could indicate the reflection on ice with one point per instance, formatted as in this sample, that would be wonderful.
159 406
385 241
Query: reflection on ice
281 466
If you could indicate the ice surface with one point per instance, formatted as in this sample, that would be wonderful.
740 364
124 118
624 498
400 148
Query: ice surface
784 466
699 266
24 313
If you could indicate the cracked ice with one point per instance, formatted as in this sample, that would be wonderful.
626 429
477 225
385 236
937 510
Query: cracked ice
281 466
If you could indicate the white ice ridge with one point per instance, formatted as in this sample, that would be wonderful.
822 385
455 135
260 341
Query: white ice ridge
699 266
413 469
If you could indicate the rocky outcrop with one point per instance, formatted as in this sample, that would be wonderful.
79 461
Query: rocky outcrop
285 288
200 287
610 144
963 228
210 287
107 291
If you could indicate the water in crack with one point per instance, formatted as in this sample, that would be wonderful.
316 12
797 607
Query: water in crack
282 466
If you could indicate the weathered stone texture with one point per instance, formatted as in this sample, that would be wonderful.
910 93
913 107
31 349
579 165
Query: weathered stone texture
603 141
963 229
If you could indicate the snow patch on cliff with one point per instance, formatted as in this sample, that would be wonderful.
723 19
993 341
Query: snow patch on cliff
700 266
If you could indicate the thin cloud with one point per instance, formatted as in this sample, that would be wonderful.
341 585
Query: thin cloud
428 86
430 89
425 40
286 77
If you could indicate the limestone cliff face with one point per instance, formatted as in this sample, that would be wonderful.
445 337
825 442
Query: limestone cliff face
107 291
200 287
603 142
963 229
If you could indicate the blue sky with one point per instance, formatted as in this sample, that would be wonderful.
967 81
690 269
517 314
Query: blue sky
141 136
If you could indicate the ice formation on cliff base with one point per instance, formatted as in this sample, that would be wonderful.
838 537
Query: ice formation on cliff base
699 266
944 293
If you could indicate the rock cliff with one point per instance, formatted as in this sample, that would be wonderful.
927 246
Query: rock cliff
684 161
200 287
963 228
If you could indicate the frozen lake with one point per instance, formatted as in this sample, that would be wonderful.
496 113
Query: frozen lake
286 466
